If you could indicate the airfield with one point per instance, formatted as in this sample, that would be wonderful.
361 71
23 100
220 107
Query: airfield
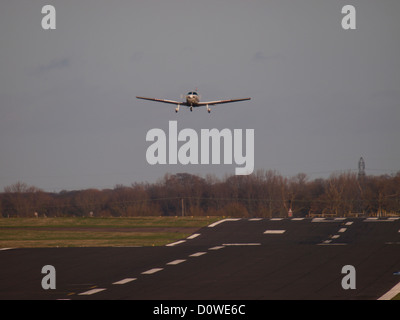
231 259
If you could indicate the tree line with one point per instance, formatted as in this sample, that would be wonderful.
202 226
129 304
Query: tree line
261 194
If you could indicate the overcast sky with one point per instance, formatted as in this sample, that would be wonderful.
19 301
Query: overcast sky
322 96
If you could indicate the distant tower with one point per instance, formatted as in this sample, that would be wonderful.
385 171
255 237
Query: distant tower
361 168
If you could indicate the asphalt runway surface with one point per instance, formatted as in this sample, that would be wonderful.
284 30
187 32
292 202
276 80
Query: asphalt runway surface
233 259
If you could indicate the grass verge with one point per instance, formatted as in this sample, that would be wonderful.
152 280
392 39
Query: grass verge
95 232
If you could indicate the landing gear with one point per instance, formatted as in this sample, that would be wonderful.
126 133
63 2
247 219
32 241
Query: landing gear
208 109
177 109
191 109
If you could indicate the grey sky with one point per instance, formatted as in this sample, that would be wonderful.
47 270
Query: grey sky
321 96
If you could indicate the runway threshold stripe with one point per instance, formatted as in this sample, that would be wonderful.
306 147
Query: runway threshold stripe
152 271
90 292
391 293
126 280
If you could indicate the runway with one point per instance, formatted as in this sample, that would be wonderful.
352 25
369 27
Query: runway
233 259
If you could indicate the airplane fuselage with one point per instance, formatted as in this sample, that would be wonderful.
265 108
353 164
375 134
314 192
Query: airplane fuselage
192 99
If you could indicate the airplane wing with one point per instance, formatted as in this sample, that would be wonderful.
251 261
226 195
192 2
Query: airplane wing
211 103
162 100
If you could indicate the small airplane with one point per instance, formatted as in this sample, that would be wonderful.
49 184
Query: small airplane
193 101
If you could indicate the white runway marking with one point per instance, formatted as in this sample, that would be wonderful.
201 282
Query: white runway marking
195 235
276 219
4 249
126 280
90 292
274 231
241 244
378 220
216 248
175 243
297 219
391 293
197 254
175 262
335 236
151 271
212 225
255 219
349 223
324 220
342 230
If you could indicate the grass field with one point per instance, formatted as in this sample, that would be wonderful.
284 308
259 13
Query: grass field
97 232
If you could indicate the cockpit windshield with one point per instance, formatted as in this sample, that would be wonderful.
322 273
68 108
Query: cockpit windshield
192 93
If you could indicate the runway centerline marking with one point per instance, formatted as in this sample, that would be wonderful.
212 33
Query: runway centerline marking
197 254
216 248
241 244
152 271
318 220
212 225
195 235
175 243
342 230
274 231
90 292
175 262
123 281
